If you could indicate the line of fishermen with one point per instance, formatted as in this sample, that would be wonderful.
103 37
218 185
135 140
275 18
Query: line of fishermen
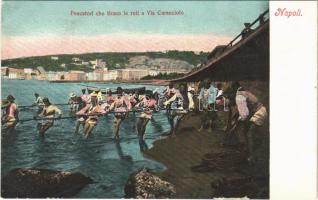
88 107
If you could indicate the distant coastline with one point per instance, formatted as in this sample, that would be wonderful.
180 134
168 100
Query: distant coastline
145 82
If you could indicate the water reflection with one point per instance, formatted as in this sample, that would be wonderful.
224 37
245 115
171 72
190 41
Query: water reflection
120 152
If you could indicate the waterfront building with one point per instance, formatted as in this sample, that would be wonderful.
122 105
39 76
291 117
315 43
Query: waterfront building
110 75
75 76
51 76
132 74
14 73
4 71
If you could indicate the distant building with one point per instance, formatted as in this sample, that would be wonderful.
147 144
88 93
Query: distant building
41 70
52 76
14 73
110 75
28 70
63 65
75 76
94 76
54 57
41 73
98 64
4 71
132 74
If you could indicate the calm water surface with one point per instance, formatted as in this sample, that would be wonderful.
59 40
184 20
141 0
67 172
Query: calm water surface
107 162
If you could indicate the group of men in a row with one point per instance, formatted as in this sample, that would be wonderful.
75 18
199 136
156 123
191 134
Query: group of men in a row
178 102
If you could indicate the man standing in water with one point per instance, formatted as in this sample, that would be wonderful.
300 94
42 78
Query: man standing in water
73 102
38 102
169 92
11 116
148 103
84 104
121 106
92 112
184 99
48 114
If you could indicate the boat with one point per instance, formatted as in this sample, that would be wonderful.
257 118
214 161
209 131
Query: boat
140 90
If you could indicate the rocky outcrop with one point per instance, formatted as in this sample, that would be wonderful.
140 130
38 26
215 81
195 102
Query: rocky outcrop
143 185
158 63
42 183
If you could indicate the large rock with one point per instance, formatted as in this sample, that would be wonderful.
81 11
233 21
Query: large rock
42 183
143 185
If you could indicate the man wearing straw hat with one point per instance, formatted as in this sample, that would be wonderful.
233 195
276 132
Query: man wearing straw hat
73 102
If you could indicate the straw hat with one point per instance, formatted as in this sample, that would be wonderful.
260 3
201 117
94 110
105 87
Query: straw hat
4 103
72 95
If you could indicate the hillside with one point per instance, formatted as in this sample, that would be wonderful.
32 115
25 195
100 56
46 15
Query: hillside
113 60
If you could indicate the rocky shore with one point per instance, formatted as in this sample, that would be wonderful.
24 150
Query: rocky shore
42 183
200 166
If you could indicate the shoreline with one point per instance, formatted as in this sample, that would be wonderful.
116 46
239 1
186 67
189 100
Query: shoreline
186 149
145 82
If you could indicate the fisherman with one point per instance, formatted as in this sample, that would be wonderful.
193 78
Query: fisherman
148 104
252 114
207 99
73 102
121 106
99 96
109 98
135 99
184 100
84 104
48 114
11 115
92 115
38 102
169 92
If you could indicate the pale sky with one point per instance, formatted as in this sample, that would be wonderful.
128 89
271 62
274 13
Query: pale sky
46 27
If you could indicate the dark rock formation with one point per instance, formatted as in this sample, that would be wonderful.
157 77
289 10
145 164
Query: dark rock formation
143 184
42 183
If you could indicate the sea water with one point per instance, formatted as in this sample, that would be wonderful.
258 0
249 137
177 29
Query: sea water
107 162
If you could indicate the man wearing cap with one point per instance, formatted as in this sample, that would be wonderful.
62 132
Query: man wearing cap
38 102
252 114
48 114
11 116
73 102
121 106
